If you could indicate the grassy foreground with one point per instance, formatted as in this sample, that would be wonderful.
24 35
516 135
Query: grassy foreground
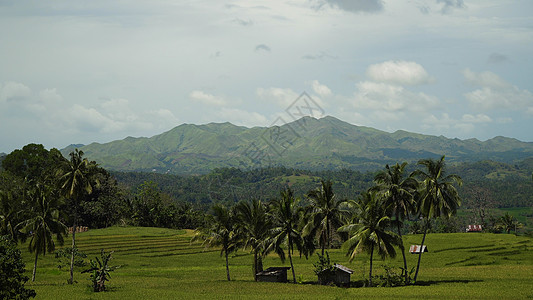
162 264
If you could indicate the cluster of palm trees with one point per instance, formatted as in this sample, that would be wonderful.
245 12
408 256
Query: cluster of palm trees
285 224
45 204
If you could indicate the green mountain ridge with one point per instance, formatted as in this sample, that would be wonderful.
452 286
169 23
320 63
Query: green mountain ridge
307 143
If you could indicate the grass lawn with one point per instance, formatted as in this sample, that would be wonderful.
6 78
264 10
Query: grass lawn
162 264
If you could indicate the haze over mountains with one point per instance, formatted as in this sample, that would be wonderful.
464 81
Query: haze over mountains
308 143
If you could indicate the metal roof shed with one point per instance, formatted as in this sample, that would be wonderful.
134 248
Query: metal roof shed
340 275
273 274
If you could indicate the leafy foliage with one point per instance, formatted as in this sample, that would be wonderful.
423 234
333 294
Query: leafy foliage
100 271
12 268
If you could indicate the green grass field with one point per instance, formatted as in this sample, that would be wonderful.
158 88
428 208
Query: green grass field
162 264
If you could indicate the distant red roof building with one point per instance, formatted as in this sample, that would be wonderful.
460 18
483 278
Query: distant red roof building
417 249
474 228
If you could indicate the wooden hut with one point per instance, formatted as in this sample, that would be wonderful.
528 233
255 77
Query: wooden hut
273 274
340 275
415 249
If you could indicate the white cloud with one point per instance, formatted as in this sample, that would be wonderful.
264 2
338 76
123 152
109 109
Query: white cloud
399 72
206 98
466 124
242 117
280 96
11 90
485 79
495 92
382 96
320 89
479 118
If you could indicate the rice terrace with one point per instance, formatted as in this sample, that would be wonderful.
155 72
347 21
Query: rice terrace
163 264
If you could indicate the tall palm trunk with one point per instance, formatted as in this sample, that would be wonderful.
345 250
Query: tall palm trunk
35 265
420 254
227 265
290 259
255 265
292 268
403 251
371 256
328 236
71 280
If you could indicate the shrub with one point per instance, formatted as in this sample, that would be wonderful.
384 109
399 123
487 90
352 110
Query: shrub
12 277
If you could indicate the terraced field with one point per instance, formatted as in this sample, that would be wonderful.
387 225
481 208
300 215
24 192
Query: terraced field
162 263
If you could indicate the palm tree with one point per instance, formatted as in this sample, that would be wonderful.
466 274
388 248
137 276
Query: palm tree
286 215
8 215
326 211
508 222
220 231
398 192
44 223
254 226
76 182
437 195
371 230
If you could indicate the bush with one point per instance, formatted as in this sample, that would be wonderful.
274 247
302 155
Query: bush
12 277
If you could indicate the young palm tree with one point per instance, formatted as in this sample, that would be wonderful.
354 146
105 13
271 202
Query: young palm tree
370 232
44 223
254 226
325 212
437 196
398 192
509 223
286 216
220 231
76 182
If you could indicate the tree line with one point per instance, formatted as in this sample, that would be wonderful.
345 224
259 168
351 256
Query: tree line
371 223
44 197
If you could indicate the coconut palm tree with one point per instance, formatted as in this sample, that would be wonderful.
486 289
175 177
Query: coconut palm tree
44 223
75 183
254 224
437 195
8 215
509 223
325 212
398 193
370 232
286 215
220 231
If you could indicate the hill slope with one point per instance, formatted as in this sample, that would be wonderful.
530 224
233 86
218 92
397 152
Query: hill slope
307 143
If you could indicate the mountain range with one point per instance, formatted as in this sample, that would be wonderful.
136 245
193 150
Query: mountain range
307 143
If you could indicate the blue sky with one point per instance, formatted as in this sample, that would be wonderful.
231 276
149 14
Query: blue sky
96 71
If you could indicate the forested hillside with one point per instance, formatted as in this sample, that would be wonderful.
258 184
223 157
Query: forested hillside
494 184
310 144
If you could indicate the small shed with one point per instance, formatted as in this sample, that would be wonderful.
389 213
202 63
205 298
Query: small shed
273 274
340 275
474 228
415 249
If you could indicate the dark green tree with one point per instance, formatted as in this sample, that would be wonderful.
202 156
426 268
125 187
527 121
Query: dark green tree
398 193
254 224
437 195
325 214
75 182
509 223
12 268
220 230
286 215
371 231
44 223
